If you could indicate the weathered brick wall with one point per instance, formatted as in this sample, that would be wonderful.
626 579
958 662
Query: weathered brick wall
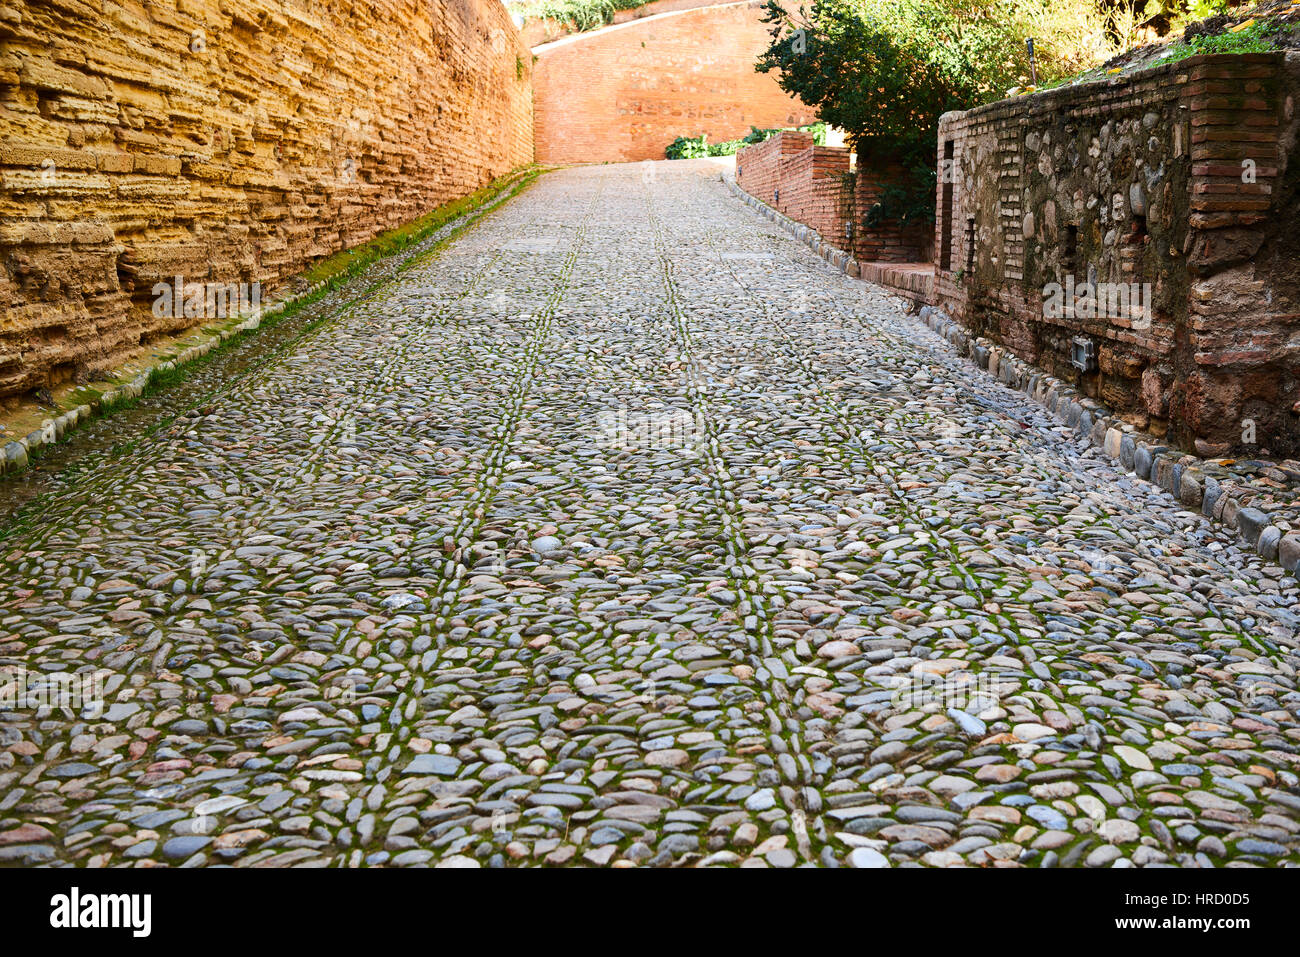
1176 177
813 190
887 241
807 183
758 166
800 179
627 91
226 140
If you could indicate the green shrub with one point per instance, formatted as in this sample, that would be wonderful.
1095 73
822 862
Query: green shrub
1259 37
685 147
580 15
727 148
884 71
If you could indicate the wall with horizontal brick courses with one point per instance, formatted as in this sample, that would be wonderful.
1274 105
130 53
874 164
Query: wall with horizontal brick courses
815 192
1140 180
808 183
790 173
758 167
625 92
226 140
887 241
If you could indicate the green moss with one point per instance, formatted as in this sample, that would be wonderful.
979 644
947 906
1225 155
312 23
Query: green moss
350 261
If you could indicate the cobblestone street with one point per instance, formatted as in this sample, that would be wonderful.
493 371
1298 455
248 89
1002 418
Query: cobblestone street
624 530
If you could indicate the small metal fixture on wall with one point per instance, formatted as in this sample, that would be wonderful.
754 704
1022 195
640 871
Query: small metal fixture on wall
1083 354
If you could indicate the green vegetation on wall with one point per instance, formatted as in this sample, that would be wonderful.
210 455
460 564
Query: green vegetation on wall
1259 37
884 71
580 15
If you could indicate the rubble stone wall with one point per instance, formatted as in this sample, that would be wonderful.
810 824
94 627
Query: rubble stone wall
1176 182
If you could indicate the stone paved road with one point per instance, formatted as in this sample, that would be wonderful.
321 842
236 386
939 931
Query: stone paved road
625 531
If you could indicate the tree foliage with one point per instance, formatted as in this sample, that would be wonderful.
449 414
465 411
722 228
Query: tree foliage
884 71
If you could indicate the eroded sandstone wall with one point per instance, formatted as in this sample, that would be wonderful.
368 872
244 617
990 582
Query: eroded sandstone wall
226 140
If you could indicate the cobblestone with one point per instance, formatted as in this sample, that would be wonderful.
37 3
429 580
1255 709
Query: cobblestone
626 531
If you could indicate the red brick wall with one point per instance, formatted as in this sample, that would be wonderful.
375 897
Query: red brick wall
811 185
887 242
625 92
800 179
813 190
1143 177
227 140
758 166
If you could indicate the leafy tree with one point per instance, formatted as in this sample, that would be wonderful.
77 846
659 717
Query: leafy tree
884 71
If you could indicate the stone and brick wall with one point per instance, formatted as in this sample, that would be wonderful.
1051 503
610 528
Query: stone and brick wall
625 92
226 140
1178 176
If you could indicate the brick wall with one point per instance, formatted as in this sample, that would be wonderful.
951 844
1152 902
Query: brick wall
807 183
813 190
625 92
887 242
1177 177
227 140
800 179
758 166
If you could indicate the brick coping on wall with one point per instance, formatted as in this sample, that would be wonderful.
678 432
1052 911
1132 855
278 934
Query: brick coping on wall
1095 92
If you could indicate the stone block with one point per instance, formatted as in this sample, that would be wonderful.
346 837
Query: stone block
1288 551
1142 461
1250 523
1267 545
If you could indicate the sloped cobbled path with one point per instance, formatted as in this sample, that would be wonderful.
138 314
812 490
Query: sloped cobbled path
625 531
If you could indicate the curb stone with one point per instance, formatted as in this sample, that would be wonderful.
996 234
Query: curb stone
1179 474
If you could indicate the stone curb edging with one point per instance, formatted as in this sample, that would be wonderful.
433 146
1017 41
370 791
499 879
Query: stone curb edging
1180 474
14 455
839 259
